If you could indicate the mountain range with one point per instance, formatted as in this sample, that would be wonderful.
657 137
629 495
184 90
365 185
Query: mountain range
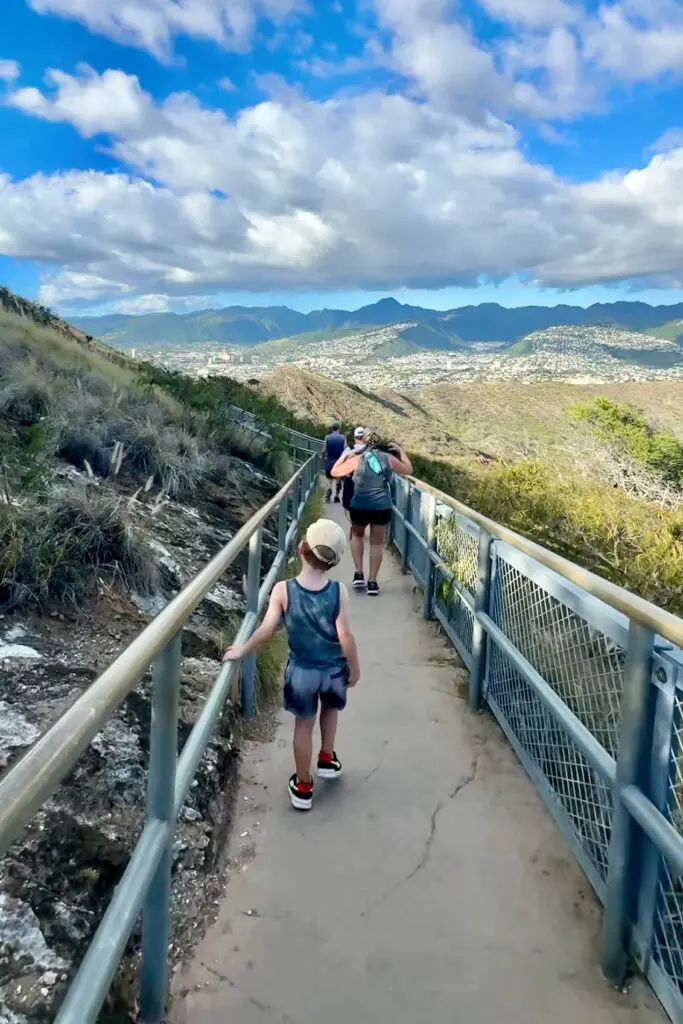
247 325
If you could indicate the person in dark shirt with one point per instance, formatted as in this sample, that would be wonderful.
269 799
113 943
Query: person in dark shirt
334 445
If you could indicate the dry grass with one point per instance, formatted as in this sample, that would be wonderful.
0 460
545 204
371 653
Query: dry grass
506 421
54 550
62 400
513 452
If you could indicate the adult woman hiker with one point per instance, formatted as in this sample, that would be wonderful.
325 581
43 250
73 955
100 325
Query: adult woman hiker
372 470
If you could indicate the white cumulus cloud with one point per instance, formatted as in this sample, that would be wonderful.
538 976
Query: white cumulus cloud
425 183
112 102
9 70
370 191
153 24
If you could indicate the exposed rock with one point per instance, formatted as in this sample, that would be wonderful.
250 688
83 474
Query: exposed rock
15 731
224 599
58 877
151 605
8 651
15 633
20 934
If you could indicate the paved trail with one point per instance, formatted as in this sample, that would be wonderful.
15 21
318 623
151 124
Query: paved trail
426 885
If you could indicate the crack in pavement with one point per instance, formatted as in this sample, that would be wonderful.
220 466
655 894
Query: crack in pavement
427 849
377 767
252 1000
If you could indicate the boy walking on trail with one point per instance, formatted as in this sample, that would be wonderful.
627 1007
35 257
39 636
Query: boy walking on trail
323 659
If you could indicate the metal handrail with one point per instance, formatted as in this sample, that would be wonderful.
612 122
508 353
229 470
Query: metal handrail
639 778
146 881
634 607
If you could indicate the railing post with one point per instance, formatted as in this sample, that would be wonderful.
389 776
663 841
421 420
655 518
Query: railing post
282 523
407 506
163 757
391 528
623 864
481 604
253 581
429 565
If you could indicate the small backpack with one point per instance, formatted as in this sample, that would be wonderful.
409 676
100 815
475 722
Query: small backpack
369 459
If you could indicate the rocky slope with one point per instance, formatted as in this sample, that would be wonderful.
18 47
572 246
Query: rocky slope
171 498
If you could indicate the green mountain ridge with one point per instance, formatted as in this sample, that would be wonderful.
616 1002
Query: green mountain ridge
246 326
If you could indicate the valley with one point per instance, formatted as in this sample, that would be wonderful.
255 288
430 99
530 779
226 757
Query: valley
399 356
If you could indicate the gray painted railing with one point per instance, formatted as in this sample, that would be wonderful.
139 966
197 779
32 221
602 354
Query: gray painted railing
300 444
586 681
145 885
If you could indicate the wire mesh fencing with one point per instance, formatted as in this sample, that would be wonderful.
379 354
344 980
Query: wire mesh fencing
457 545
667 938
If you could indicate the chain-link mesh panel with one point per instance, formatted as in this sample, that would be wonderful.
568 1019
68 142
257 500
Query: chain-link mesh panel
418 558
667 939
583 666
459 615
459 550
586 799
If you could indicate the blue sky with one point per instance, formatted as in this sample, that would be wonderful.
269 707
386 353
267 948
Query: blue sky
174 154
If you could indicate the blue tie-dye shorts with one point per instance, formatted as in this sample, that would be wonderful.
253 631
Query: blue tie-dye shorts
305 688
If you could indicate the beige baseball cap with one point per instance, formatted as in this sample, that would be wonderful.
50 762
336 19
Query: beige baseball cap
327 541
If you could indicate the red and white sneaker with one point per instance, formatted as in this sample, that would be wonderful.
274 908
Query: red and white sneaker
329 766
301 794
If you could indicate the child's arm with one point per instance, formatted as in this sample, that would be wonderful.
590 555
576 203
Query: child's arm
345 466
346 637
265 632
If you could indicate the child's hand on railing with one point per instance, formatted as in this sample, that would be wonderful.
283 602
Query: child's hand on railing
234 653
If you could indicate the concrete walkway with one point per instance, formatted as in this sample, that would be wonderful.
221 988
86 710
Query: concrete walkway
426 886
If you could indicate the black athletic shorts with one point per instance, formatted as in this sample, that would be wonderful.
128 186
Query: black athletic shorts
370 516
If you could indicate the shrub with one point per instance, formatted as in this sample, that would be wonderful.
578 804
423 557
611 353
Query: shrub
168 454
210 395
627 540
626 428
231 439
79 444
26 399
55 549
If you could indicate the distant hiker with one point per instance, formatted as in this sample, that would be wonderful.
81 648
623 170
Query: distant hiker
323 658
334 445
370 505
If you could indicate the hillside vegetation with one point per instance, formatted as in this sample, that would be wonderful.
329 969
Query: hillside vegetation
67 407
588 485
670 331
117 485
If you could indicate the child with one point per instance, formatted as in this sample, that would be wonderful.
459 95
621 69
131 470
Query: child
323 659
356 446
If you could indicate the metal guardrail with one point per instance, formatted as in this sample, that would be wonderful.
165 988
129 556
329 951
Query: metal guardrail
302 444
145 885
586 681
